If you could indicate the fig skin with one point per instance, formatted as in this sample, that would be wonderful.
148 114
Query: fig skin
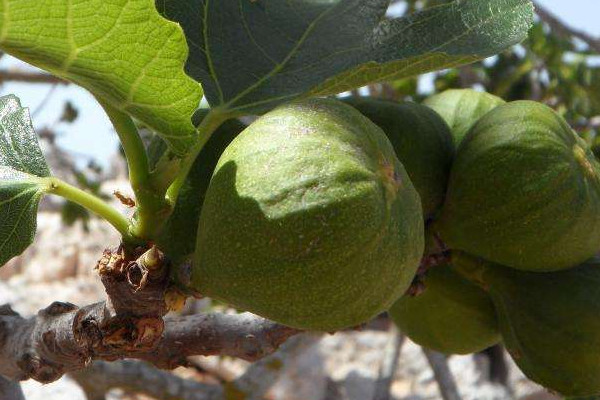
550 323
462 108
422 141
524 191
310 220
452 315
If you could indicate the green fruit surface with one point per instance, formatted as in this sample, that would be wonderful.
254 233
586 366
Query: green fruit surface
550 323
422 141
310 220
452 315
178 237
524 191
462 108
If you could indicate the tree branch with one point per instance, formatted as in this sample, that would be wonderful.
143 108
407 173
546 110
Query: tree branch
562 29
63 337
30 77
260 377
141 378
243 336
443 375
389 365
10 390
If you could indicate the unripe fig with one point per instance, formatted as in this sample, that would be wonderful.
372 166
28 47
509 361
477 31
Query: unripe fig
452 315
310 220
550 323
524 191
422 141
462 108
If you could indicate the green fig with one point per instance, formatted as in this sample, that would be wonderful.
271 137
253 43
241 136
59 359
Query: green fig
452 315
462 108
524 191
550 323
422 141
310 220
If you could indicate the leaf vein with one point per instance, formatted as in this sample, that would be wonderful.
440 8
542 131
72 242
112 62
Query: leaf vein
209 59
281 65
23 193
251 36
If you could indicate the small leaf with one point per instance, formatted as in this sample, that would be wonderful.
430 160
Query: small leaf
122 51
251 55
22 167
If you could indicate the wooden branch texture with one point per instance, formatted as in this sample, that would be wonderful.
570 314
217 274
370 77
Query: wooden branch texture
141 378
130 324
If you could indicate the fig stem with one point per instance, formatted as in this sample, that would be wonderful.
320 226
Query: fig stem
96 205
213 120
152 208
469 267
135 151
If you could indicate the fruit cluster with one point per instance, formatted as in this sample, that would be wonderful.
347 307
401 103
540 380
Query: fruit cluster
320 213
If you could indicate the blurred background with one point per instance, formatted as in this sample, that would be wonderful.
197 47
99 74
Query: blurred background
559 65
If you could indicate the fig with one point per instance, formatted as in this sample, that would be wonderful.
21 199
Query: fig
524 191
422 141
462 108
309 220
550 323
452 315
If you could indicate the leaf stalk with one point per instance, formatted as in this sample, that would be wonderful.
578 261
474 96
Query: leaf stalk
151 205
213 120
96 205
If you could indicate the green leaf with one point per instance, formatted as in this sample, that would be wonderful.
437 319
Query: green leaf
251 55
122 51
22 167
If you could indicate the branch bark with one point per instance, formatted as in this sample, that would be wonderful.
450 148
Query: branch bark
63 337
141 378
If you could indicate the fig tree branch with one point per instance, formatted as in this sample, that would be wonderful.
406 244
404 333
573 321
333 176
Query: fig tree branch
260 377
443 375
63 337
564 30
142 378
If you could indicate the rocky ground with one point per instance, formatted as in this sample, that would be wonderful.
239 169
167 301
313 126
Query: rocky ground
344 366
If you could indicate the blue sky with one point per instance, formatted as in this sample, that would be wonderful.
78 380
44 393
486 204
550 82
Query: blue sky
92 134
